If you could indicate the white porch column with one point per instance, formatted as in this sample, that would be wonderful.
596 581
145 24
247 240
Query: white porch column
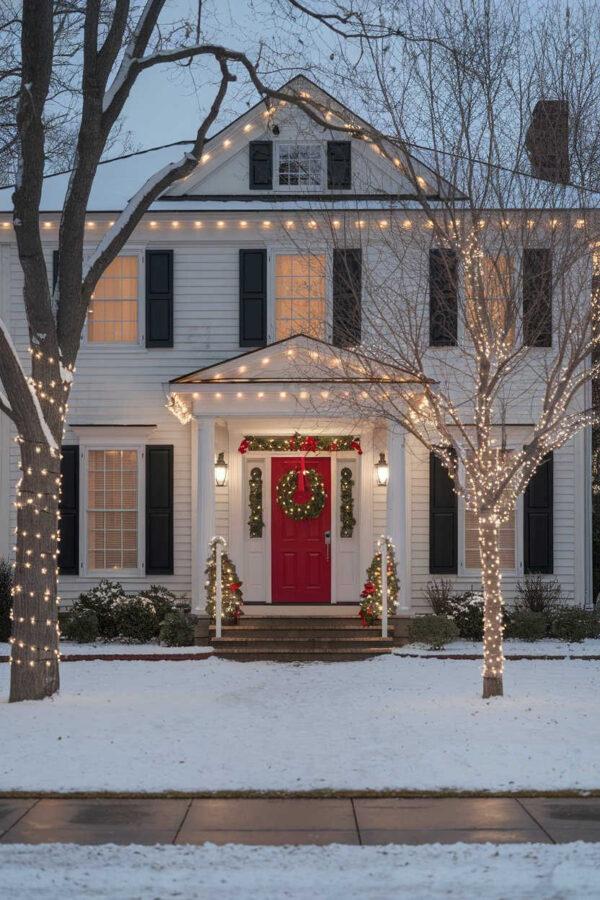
397 511
203 502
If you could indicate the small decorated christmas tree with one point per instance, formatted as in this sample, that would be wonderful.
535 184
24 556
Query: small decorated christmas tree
371 605
232 599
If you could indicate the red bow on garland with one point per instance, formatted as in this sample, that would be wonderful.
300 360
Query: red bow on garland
244 446
309 445
356 446
368 590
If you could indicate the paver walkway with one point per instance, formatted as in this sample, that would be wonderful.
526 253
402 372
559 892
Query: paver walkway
299 821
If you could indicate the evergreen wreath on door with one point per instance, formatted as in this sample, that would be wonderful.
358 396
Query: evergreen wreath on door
295 480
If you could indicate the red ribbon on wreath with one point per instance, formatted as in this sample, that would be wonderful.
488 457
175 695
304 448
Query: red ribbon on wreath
301 480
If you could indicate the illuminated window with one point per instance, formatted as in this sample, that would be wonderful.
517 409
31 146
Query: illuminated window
300 165
493 276
112 510
299 295
113 314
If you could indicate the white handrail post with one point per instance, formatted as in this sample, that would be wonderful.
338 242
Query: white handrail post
218 589
384 588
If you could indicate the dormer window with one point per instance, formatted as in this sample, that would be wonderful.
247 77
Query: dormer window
300 165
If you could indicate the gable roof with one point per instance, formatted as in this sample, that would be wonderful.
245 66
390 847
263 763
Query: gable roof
296 360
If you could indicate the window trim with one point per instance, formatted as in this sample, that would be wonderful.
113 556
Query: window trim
299 188
476 573
139 252
124 444
317 250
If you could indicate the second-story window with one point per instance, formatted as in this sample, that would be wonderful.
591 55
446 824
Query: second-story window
300 165
490 295
299 295
113 313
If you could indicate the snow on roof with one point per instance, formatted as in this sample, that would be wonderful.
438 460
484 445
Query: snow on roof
116 181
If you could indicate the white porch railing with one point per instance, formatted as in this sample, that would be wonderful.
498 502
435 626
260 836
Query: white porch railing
384 586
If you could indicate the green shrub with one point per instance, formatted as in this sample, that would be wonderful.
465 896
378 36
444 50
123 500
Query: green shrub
162 599
439 596
80 624
594 623
527 625
101 599
539 595
571 623
5 599
177 630
135 619
435 631
467 613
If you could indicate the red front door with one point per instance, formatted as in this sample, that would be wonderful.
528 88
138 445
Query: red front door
300 557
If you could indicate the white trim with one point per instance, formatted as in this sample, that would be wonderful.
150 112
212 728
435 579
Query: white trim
120 574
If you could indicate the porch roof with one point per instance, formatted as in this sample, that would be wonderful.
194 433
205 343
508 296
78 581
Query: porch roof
299 359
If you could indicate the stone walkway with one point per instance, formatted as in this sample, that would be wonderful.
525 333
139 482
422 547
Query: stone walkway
299 821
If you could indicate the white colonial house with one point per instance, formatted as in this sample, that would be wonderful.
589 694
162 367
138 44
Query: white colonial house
203 378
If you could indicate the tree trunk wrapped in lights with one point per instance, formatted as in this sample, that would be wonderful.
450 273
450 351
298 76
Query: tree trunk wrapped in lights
493 615
231 587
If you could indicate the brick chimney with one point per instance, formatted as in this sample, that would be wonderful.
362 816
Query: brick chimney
547 141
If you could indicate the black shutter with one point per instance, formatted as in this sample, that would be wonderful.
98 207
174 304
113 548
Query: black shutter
339 165
537 297
260 155
443 520
538 531
253 298
159 298
54 268
347 297
159 509
443 297
68 548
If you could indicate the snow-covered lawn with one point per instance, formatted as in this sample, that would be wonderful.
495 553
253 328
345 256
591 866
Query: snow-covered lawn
383 723
110 648
511 647
233 872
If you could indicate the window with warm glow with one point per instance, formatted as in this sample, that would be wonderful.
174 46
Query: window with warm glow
112 510
299 295
494 276
113 313
300 165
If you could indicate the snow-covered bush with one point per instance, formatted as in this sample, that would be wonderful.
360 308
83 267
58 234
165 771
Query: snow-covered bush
80 625
135 619
467 613
177 630
163 600
433 630
5 599
101 599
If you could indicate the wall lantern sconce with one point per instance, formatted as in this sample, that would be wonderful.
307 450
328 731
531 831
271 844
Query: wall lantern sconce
221 470
383 470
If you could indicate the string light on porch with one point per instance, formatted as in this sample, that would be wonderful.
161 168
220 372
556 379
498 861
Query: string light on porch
178 408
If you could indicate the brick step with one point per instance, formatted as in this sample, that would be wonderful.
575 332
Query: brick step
343 655
285 622
300 632
291 644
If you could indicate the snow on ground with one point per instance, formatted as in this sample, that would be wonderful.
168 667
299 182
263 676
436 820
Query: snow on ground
101 648
234 872
512 646
382 723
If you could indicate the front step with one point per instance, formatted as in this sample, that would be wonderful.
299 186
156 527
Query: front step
300 639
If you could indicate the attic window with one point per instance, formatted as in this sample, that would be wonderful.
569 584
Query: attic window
300 165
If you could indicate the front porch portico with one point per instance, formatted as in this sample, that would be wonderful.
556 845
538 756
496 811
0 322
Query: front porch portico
234 401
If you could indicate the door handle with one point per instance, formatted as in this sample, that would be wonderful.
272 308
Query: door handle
327 537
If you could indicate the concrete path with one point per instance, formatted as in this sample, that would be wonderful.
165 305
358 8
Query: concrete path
299 821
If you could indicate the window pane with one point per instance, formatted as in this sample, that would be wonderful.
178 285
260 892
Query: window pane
507 541
113 313
299 295
300 165
112 526
493 278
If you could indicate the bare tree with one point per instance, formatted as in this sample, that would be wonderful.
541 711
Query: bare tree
109 46
507 331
